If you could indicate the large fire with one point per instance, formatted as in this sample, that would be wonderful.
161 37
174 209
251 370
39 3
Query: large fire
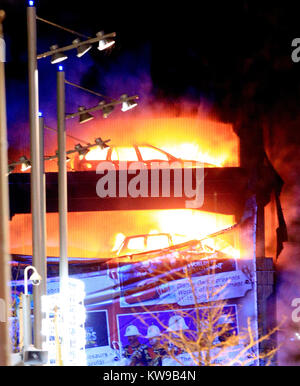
185 225
96 234
188 137
192 151
184 151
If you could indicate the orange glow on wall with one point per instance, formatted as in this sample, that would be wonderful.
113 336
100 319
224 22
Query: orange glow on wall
190 138
94 234
193 137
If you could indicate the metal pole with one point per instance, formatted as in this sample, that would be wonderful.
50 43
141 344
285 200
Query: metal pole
35 167
62 181
63 210
4 216
43 255
43 270
27 330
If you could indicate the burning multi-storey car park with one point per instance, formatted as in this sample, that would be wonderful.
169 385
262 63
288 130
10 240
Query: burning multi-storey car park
154 223
148 259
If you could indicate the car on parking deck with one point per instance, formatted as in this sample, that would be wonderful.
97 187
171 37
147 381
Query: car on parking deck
144 243
146 154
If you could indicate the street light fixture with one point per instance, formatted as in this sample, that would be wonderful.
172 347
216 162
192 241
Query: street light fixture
36 279
81 151
106 107
81 50
127 104
84 115
102 144
126 101
26 164
30 354
106 110
97 143
104 42
57 57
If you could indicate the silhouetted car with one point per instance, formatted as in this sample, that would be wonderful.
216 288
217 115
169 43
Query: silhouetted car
144 243
147 154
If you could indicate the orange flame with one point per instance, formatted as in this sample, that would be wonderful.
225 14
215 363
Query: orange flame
96 234
192 137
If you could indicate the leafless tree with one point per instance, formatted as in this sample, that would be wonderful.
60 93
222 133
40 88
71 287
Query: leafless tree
213 340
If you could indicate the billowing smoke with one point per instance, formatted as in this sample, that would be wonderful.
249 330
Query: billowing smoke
283 149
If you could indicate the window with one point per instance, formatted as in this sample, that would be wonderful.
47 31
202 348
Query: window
136 243
124 154
149 153
97 154
157 242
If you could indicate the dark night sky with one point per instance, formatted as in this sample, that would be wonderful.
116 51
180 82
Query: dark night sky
230 53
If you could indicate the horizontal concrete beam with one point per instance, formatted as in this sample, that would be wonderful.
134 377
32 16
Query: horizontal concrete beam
224 192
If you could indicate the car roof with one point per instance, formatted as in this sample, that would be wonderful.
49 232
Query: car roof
136 145
148 234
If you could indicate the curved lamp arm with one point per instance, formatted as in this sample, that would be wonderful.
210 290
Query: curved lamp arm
26 277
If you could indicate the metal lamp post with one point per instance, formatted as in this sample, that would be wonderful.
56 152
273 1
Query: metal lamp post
38 204
35 167
63 210
4 215
43 253
62 180
27 330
